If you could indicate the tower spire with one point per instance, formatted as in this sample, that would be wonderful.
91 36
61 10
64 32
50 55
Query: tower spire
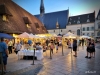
57 24
42 8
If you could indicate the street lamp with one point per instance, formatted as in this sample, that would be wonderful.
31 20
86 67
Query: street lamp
81 29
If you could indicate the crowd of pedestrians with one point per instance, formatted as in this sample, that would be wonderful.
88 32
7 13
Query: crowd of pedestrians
49 44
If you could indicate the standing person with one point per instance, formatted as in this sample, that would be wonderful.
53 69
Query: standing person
10 45
88 49
75 47
82 42
4 50
93 48
47 42
18 47
71 45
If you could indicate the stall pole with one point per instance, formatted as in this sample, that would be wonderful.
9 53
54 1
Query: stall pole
50 54
62 47
33 57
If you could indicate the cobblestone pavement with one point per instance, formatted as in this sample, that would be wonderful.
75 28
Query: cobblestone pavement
58 65
70 65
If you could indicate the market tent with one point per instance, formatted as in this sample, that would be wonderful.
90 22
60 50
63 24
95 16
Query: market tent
33 36
24 35
84 36
4 35
70 35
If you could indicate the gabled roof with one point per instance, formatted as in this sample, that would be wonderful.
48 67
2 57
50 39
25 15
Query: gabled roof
98 14
49 19
81 19
18 22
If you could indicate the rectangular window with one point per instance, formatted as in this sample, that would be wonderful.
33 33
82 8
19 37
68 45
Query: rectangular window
92 28
99 25
92 34
87 34
83 29
61 30
87 28
54 30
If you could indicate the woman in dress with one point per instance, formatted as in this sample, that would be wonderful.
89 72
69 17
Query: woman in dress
93 48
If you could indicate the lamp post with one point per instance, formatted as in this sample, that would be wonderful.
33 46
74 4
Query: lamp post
81 29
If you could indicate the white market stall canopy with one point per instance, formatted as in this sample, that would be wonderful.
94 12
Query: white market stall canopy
85 36
70 35
26 35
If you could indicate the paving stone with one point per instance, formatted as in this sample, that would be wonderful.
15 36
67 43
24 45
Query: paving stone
59 65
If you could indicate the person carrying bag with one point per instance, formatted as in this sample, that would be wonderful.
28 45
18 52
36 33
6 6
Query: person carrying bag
18 47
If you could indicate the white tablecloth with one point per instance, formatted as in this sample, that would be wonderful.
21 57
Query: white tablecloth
38 53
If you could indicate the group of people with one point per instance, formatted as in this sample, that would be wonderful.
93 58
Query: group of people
89 43
90 48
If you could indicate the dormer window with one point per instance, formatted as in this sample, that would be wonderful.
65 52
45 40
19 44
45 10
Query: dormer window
27 22
28 26
99 17
5 18
70 19
88 16
5 13
43 28
78 17
37 26
78 22
88 20
69 22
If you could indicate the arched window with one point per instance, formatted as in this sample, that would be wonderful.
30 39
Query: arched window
78 32
78 17
98 33
70 19
78 22
88 16
88 20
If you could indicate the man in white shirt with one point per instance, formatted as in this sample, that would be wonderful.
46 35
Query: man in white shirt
10 45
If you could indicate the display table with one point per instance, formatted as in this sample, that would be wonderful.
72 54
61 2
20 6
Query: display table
38 53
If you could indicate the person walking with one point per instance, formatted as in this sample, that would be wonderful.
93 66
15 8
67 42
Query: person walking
4 50
18 47
75 47
51 45
56 45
